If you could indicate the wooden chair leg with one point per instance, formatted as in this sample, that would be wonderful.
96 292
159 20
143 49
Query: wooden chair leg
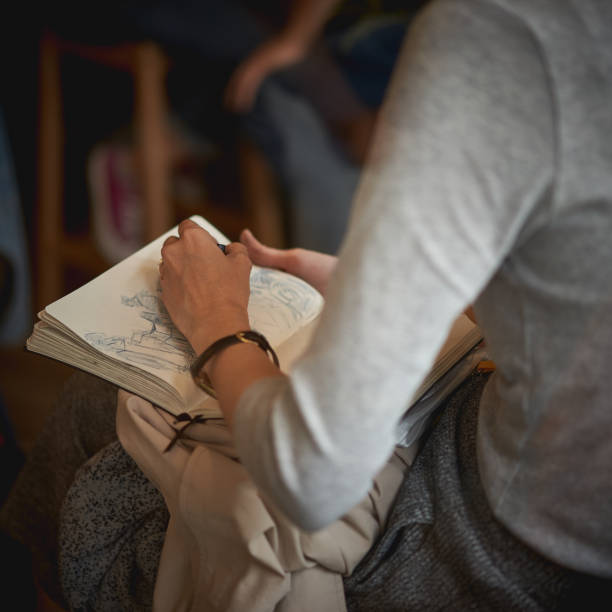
150 117
50 175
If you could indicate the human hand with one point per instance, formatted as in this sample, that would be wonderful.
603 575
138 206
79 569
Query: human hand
313 267
244 84
205 292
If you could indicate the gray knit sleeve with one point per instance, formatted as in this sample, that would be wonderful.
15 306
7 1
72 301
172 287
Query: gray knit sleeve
461 158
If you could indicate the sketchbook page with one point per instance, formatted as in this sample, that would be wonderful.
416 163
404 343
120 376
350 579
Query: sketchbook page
280 304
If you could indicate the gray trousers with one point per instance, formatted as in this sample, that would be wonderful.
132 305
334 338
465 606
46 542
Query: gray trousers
443 549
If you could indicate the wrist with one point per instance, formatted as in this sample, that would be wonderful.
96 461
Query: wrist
204 335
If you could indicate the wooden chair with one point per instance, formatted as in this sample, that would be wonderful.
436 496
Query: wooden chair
147 66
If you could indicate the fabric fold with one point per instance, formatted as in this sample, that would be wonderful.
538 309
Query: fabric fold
229 548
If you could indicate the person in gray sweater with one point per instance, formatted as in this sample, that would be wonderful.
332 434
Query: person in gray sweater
489 183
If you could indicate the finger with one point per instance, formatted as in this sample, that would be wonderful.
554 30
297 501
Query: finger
259 253
185 225
169 240
235 248
197 232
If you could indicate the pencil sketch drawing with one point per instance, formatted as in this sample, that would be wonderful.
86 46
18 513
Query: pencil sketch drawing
158 345
281 302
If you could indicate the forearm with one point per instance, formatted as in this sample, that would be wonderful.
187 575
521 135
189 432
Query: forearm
306 21
233 370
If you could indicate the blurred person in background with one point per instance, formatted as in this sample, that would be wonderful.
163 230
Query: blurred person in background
302 80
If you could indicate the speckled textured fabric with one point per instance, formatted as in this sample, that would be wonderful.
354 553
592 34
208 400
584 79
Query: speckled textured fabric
443 549
81 423
112 529
113 520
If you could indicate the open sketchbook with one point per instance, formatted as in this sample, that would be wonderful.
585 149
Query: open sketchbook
116 327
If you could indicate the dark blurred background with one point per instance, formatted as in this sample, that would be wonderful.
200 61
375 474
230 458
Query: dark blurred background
286 167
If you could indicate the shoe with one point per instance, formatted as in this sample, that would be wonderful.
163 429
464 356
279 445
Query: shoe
116 201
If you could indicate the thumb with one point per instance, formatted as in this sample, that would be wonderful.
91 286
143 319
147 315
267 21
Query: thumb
260 254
